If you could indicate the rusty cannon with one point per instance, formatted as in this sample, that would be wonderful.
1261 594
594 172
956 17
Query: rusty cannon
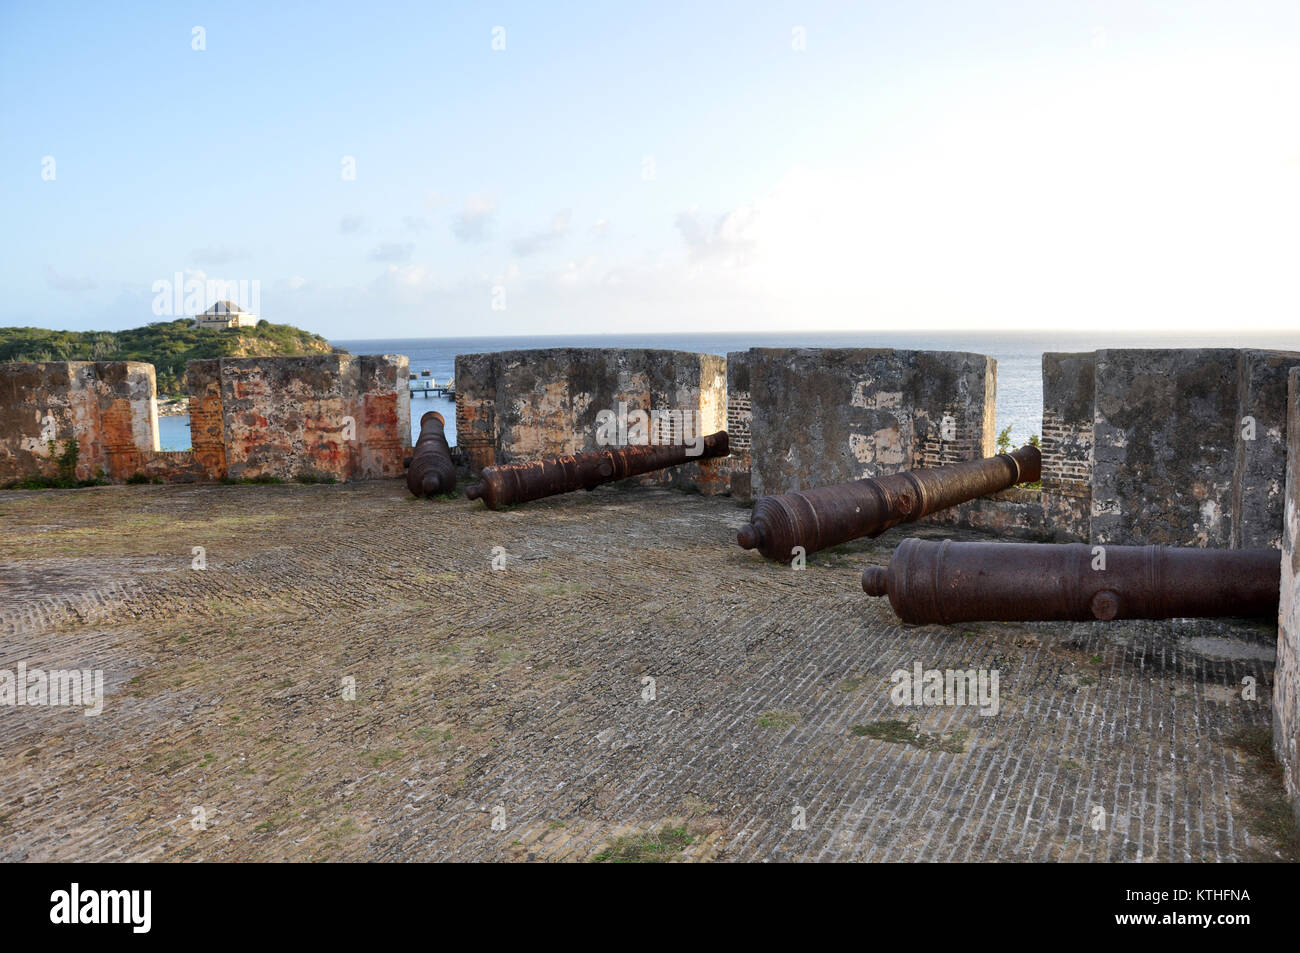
945 582
504 484
431 471
830 515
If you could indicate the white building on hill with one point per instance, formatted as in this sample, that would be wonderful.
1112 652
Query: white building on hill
225 314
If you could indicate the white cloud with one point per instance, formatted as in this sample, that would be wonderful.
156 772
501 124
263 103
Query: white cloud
578 272
392 251
539 241
406 276
731 239
473 222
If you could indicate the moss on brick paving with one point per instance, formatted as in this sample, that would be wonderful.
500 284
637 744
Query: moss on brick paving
902 731
651 848
778 719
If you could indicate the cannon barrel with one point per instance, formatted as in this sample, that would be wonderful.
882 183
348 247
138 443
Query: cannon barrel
830 515
431 471
945 582
504 484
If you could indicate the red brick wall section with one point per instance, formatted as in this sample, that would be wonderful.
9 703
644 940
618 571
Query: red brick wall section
121 454
207 427
383 417
87 426
127 403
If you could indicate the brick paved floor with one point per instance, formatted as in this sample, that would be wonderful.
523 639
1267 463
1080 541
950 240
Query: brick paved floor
516 696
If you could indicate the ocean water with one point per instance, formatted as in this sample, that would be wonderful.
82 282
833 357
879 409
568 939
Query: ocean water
174 432
1019 357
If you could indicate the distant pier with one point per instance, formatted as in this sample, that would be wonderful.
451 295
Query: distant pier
428 387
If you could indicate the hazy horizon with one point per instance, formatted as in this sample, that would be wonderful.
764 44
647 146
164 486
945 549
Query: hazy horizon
840 332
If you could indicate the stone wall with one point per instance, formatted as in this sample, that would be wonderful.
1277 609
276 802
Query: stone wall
514 406
108 409
1174 447
1014 513
1164 430
828 415
174 466
1286 676
1176 462
740 424
335 416
384 423
1180 447
1068 395
207 429
1258 497
286 417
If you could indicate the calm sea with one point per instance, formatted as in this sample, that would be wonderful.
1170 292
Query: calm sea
1019 357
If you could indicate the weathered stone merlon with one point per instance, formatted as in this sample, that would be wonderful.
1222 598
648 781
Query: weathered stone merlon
1188 446
517 406
820 416
336 416
88 417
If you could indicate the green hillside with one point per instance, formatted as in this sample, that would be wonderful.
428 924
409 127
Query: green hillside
167 345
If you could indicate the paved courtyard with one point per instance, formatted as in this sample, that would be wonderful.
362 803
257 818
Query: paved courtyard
507 715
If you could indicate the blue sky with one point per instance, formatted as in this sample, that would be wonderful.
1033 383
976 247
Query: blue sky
659 167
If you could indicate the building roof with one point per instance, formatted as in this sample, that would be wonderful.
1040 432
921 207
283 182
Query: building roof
223 308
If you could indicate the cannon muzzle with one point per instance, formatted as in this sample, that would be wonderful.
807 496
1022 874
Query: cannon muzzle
830 515
946 582
505 484
431 471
